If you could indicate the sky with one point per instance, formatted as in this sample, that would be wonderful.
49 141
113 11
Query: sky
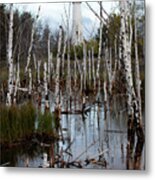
52 13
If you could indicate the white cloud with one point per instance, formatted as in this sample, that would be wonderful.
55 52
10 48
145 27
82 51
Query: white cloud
51 13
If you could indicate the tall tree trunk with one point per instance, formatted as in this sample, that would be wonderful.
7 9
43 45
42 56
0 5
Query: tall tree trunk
93 67
49 60
84 65
57 80
137 70
30 84
133 106
63 54
100 46
75 64
31 41
46 87
10 58
38 72
89 63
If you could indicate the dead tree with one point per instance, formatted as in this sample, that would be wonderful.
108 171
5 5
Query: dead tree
57 78
100 46
30 84
46 87
137 70
31 41
93 67
49 60
84 65
10 58
134 121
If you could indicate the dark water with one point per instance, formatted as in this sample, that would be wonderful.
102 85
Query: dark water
90 140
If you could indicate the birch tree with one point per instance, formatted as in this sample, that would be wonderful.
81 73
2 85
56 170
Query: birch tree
134 122
84 64
57 88
49 59
46 87
137 70
10 58
31 41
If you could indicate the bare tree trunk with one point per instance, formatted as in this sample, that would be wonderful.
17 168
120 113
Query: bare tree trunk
38 72
75 72
63 54
52 65
108 67
31 41
46 87
68 69
80 74
10 58
137 71
100 45
133 106
93 67
35 67
57 88
30 84
49 60
116 62
89 63
105 99
84 65
17 83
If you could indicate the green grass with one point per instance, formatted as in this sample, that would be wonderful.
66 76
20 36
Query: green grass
46 123
18 123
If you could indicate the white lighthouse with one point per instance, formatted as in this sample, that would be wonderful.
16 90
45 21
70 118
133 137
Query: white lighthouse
77 35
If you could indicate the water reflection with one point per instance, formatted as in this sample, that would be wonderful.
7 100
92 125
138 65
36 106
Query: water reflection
86 141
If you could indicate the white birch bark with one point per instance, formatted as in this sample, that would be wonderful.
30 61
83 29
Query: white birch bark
133 107
137 70
89 63
99 51
30 83
49 60
31 41
105 92
38 72
75 72
10 58
108 67
126 55
35 67
46 86
17 84
52 65
35 61
68 68
93 67
84 64
63 54
58 68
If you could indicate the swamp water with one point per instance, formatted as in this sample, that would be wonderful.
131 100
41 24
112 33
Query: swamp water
86 140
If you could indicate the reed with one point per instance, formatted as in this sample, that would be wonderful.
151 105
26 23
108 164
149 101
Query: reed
46 123
18 123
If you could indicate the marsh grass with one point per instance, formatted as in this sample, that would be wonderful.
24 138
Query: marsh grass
17 123
46 123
